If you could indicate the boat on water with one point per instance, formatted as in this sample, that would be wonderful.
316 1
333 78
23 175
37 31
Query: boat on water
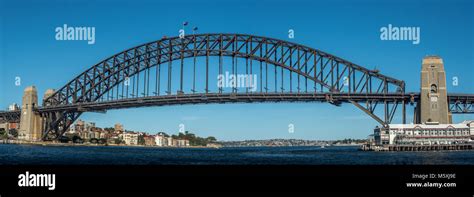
325 145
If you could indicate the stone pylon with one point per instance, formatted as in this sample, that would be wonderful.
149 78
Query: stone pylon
47 94
30 121
433 105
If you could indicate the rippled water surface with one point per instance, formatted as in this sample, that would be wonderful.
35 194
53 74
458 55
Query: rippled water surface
106 155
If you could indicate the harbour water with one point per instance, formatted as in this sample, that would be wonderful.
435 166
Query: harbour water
14 154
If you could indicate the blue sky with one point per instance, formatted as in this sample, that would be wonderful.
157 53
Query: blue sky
348 29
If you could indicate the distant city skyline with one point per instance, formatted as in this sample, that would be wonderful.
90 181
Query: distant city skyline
350 30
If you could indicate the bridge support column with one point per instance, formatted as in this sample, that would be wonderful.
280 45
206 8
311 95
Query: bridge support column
46 117
30 121
404 113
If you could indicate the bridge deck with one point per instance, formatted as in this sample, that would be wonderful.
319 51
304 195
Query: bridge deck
334 98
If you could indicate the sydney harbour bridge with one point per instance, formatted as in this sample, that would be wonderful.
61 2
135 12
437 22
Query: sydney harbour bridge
184 70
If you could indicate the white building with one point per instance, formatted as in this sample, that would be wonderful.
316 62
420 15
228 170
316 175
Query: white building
425 134
182 143
171 141
72 129
13 107
161 140
130 138
469 123
103 135
88 126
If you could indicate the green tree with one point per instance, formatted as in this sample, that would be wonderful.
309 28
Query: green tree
180 136
77 139
3 134
193 139
211 139
141 140
109 129
14 132
190 136
118 141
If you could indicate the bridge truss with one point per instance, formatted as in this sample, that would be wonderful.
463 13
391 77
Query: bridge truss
190 69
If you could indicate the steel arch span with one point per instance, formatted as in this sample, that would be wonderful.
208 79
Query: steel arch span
184 70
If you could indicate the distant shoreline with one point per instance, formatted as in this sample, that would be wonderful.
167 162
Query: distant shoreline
91 145
339 145
123 145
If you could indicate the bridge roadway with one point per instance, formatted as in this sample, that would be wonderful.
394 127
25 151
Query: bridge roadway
459 103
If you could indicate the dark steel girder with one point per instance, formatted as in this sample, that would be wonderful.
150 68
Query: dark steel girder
202 98
455 101
10 116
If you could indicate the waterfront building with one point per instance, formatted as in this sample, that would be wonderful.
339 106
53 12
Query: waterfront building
83 135
14 125
171 141
130 138
430 133
88 126
90 135
469 123
4 126
149 140
103 135
9 125
13 107
161 140
72 129
118 128
182 143
79 125
86 130
114 139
